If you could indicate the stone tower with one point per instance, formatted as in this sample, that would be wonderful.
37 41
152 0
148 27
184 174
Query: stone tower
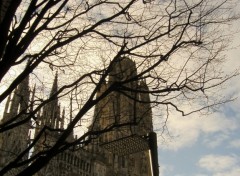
124 107
14 141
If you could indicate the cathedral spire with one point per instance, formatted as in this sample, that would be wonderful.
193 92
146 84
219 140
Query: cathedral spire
16 139
20 98
62 119
71 109
55 85
53 108
50 110
32 98
71 136
58 121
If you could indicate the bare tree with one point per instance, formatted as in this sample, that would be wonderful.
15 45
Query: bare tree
177 48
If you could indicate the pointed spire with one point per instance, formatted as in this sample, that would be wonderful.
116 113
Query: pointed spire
50 110
71 108
33 92
58 117
32 98
45 117
55 85
71 136
52 107
62 119
19 102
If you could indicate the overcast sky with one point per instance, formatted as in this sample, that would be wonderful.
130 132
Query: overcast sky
206 145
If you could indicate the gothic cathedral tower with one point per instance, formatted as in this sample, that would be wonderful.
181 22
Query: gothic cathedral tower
123 107
14 141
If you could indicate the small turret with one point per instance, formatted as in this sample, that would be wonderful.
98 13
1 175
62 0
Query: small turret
71 136
32 98
58 117
145 113
62 119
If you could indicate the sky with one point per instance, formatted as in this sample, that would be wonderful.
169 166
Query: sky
206 145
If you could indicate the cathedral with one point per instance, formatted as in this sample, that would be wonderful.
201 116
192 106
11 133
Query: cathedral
128 150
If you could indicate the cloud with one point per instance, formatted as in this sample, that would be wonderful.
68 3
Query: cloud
217 163
235 143
187 130
233 172
215 140
165 169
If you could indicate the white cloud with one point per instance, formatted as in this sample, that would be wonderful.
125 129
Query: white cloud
217 163
235 143
233 172
165 169
186 130
216 140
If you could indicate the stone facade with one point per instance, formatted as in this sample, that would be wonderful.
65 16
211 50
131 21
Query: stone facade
94 160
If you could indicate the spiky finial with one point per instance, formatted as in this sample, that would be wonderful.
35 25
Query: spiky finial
55 85
32 98
62 119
